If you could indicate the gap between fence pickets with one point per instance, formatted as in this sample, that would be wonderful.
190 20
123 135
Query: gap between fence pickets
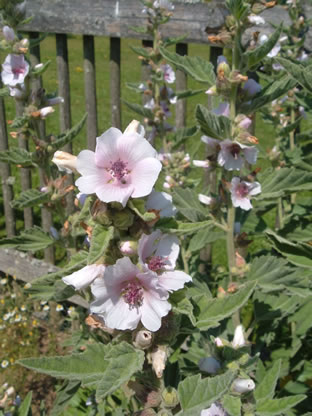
19 264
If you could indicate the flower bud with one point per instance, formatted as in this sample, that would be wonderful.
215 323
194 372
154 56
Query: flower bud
38 66
223 70
243 385
128 247
238 340
209 365
123 219
204 199
65 161
45 111
143 339
170 397
212 90
8 33
55 100
219 343
10 391
135 127
159 358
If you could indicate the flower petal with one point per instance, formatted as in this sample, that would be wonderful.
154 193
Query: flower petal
144 175
122 317
153 309
110 192
173 280
106 147
84 277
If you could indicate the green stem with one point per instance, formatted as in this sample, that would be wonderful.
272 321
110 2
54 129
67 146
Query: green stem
230 239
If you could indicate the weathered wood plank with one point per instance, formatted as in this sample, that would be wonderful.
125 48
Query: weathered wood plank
25 268
115 91
5 171
114 18
90 89
46 215
181 85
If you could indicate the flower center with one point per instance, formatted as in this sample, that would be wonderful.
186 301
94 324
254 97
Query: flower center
156 263
18 70
235 150
119 170
132 293
242 190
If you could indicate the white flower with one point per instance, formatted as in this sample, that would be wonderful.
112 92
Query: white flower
65 161
8 33
4 363
169 74
230 155
162 203
14 70
256 20
85 276
122 166
241 385
209 365
238 340
124 296
241 192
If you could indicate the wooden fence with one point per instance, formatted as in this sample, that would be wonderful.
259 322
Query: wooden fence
113 19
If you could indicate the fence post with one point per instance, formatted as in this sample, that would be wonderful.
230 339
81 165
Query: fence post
5 169
115 91
90 89
181 85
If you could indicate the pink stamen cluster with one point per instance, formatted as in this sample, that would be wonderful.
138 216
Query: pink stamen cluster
18 70
132 293
235 150
118 169
156 263
242 190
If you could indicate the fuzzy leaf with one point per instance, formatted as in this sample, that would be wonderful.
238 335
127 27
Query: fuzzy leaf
253 57
198 68
142 51
138 206
17 156
139 109
4 92
205 236
179 227
19 122
276 183
68 136
266 388
271 92
232 405
101 237
63 395
25 407
197 394
30 198
299 254
186 201
32 239
41 70
188 93
301 74
278 406
212 311
218 127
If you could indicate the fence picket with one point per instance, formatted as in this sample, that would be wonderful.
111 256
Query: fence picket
181 85
115 82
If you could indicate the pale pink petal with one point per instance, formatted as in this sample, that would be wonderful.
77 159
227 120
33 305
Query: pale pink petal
106 147
84 277
109 192
87 184
255 188
238 340
133 147
226 160
147 244
251 153
168 248
85 163
121 271
162 202
144 176
243 203
153 309
105 296
173 280
122 317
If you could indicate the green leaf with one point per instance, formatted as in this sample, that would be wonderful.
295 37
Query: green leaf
179 227
139 109
278 406
299 254
182 134
271 92
63 395
173 41
138 29
41 70
25 407
253 57
142 51
4 92
138 206
215 126
302 318
277 183
238 8
101 237
124 361
30 198
198 68
188 93
135 86
186 201
266 388
19 122
68 135
32 239
301 74
18 156
212 311
205 236
291 127
232 405
104 366
197 394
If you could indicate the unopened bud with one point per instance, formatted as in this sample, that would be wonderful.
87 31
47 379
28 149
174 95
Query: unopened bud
143 339
170 397
242 385
212 90
135 127
128 247
45 111
209 365
223 71
65 161
159 358
55 101
219 343
239 339
8 33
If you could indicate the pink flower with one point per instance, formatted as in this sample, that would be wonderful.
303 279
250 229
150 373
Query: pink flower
252 87
8 33
122 166
241 192
169 74
18 92
213 145
223 109
159 252
230 155
85 276
14 70
124 296
161 202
